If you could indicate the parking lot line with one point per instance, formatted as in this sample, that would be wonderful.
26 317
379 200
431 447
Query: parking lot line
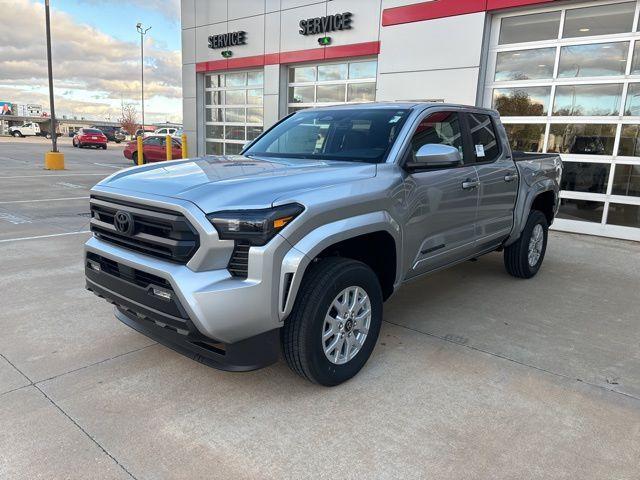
57 175
6 240
43 200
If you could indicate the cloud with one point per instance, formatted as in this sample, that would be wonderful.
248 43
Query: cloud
85 60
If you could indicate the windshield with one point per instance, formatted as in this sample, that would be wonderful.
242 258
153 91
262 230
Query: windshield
356 135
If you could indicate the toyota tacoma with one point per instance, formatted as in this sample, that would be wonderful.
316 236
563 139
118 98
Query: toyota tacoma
294 245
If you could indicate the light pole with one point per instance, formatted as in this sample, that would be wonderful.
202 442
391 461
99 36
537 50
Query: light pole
143 31
53 160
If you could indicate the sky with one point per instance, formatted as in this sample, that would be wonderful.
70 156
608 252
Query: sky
96 57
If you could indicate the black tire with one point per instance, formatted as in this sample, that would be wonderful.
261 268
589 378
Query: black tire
516 255
134 157
17 134
75 145
104 147
301 335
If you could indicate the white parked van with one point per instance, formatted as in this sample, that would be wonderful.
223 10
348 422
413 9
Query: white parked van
28 129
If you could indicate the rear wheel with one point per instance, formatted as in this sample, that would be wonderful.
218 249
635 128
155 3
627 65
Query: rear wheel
335 321
104 147
16 134
523 258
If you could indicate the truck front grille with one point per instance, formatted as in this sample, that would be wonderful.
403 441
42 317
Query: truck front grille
156 232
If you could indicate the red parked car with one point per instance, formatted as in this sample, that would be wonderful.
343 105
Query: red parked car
154 149
90 137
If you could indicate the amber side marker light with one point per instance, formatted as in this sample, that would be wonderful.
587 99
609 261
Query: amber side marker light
281 222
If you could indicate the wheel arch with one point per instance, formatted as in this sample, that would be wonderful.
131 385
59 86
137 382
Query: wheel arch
544 196
362 238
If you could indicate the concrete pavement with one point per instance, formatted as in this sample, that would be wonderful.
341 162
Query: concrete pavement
476 375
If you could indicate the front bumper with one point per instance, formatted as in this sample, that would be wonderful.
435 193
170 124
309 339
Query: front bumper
166 320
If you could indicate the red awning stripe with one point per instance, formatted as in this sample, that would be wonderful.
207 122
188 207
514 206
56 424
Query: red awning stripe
434 9
297 56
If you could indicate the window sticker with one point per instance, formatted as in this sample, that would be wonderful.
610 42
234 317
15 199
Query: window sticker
479 151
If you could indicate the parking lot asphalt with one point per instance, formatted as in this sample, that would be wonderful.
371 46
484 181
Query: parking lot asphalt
476 374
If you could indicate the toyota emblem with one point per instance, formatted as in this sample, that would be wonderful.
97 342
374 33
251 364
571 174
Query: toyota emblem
123 221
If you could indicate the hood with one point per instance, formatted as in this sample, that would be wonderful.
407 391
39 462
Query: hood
235 182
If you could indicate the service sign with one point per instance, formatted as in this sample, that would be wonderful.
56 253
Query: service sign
323 25
226 40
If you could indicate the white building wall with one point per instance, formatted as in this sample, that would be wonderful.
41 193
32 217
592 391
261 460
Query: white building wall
431 60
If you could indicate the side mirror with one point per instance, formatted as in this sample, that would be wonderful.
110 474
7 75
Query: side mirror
433 155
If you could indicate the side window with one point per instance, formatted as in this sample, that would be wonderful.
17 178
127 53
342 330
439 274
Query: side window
483 137
440 128
152 141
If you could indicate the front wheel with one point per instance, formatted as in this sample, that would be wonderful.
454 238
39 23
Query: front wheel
335 322
524 257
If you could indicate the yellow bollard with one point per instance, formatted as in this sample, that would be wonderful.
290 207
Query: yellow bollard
140 151
54 161
185 149
168 147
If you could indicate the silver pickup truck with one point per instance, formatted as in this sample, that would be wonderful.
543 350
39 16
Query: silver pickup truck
294 245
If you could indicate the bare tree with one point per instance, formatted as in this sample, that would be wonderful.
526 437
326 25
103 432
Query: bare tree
129 120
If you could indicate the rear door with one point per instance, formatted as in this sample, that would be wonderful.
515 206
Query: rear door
498 178
441 202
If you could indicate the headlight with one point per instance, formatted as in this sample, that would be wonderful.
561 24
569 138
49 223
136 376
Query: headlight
254 226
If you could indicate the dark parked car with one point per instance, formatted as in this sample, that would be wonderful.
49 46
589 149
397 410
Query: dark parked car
113 134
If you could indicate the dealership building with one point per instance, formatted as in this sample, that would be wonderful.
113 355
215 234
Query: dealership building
565 76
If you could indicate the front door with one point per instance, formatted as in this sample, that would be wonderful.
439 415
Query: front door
442 203
498 178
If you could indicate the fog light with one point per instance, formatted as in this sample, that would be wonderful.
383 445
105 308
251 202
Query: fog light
93 265
161 293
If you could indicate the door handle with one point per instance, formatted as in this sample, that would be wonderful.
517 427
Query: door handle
470 184
511 177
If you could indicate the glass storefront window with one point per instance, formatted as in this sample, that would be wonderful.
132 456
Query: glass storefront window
626 180
302 74
361 92
233 148
301 94
234 133
335 83
582 139
254 115
593 60
624 215
332 72
582 210
214 148
599 20
591 100
236 79
524 101
253 132
359 70
238 117
533 64
215 131
255 78
330 93
234 115
632 105
629 141
585 177
635 61
527 137
529 28
235 97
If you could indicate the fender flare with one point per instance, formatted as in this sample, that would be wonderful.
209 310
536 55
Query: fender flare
296 261
523 206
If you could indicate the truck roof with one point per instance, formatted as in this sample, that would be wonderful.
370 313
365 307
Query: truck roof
402 105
